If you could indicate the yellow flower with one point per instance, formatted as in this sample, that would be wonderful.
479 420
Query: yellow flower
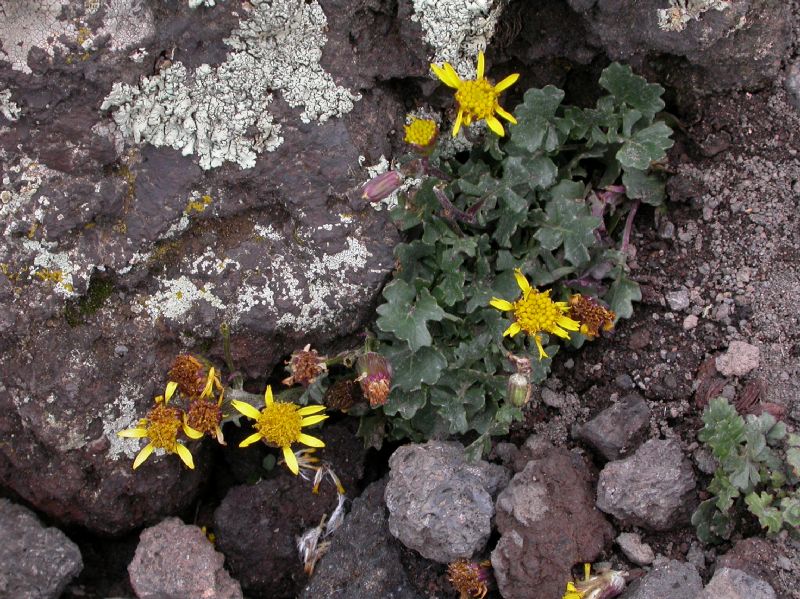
477 98
280 424
535 313
603 585
161 427
420 132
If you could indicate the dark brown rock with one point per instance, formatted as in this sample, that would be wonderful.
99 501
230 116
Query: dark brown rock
548 523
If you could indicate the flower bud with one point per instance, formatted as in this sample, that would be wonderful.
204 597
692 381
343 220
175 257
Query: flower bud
382 186
518 391
604 585
375 378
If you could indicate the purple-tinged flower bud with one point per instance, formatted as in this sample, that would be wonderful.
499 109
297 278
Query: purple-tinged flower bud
382 186
375 378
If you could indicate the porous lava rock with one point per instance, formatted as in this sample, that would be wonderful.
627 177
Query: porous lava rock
440 504
35 561
735 584
668 578
364 560
654 488
177 561
548 522
618 429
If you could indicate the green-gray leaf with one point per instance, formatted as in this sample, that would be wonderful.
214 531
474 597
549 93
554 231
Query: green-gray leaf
406 317
621 295
646 146
569 223
648 188
413 368
633 90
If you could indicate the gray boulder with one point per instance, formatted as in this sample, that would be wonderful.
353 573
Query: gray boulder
654 488
735 584
439 504
364 559
618 429
667 580
176 561
36 562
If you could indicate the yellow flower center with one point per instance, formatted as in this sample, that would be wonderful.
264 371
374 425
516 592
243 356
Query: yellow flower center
163 424
280 424
536 312
420 132
477 99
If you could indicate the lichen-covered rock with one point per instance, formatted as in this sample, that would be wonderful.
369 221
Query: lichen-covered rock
654 488
735 584
364 559
669 578
176 561
116 255
439 504
548 523
35 562
616 430
725 46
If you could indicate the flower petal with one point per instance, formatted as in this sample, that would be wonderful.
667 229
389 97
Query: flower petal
558 331
185 455
143 455
479 74
568 323
542 353
451 73
446 76
501 304
495 125
246 409
290 459
191 433
310 441
512 330
522 281
310 410
170 391
133 433
309 420
209 383
250 440
457 124
268 396
506 83
506 115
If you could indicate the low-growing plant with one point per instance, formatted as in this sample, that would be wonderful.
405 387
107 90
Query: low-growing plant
547 202
758 468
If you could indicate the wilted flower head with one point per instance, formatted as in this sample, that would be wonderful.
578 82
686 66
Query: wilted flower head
421 133
342 395
189 373
536 313
161 427
375 378
280 424
469 578
591 315
477 98
603 585
304 367
381 187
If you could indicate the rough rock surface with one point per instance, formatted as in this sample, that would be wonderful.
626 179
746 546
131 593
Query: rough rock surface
176 561
439 504
35 562
364 559
735 584
741 45
618 429
548 523
634 549
669 579
116 255
739 359
654 488
257 525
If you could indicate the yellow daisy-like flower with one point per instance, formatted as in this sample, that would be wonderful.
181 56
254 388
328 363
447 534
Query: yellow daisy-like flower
535 313
161 427
477 98
280 424
420 132
604 585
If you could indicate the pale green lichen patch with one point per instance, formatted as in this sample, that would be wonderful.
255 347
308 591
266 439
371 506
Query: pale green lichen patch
175 297
121 413
9 108
458 29
26 25
220 113
680 12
